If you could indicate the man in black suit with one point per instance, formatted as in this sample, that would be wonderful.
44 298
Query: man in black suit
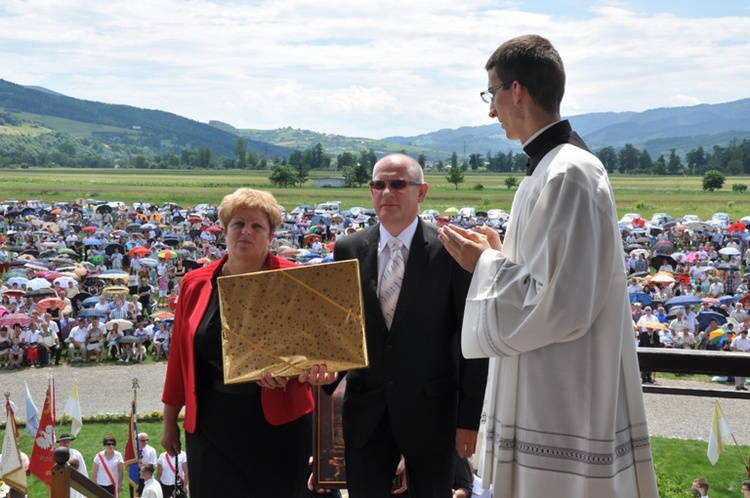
419 398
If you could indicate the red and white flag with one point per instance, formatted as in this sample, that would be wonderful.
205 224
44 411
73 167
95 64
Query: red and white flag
41 462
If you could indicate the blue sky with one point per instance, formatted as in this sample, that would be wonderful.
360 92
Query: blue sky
370 69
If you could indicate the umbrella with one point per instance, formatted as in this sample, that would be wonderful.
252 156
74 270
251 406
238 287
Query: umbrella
116 289
692 256
639 274
97 259
704 318
89 301
641 297
168 254
14 292
90 229
3 310
110 249
46 292
312 237
727 267
120 233
682 301
717 337
129 339
139 251
729 251
637 252
451 210
172 241
92 241
147 226
90 313
149 262
17 280
25 257
113 275
161 315
38 283
50 303
662 277
736 227
205 261
189 264
214 229
67 250
659 260
12 318
122 324
664 246
655 325
194 218
64 281
133 227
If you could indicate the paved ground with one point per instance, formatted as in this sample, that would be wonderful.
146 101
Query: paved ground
107 388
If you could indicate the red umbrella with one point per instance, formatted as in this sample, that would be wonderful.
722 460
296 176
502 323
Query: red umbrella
90 229
12 318
214 229
736 227
162 315
139 251
195 219
50 303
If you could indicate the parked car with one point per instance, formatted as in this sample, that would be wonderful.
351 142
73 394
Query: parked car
627 218
429 214
659 219
497 214
467 212
720 220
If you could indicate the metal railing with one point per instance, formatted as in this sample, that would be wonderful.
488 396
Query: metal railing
691 361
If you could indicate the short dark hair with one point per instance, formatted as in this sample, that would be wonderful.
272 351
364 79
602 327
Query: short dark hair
109 439
532 61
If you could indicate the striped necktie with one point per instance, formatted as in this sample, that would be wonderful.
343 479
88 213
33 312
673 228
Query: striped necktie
390 286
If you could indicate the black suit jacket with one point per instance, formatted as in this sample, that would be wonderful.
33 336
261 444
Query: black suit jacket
417 374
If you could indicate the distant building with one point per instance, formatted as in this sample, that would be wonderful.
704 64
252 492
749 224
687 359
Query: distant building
332 182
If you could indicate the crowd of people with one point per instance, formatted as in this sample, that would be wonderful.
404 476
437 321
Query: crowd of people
687 288
84 281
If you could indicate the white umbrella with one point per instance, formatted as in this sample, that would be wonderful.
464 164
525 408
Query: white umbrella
18 280
123 324
38 283
729 251
64 281
149 262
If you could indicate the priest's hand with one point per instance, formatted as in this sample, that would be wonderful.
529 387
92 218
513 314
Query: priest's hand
318 376
466 442
399 481
466 246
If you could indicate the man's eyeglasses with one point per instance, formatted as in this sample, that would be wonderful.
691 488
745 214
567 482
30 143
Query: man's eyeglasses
489 94
392 184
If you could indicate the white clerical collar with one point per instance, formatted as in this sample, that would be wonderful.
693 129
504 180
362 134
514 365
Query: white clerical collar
539 132
406 235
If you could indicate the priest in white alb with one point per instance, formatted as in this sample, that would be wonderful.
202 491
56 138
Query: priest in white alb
563 411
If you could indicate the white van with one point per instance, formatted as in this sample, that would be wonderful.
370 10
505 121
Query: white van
330 207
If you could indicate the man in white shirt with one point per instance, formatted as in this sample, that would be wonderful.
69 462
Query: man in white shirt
148 458
151 488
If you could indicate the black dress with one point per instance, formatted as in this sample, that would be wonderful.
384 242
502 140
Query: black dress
234 451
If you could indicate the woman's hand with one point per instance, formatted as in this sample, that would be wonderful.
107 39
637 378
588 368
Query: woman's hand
318 376
270 382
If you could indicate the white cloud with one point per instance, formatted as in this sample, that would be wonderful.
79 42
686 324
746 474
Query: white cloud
360 68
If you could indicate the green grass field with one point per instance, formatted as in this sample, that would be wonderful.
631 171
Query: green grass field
676 196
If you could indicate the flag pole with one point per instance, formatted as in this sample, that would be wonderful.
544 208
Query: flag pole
744 462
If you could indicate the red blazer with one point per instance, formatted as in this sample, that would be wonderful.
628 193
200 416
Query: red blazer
280 406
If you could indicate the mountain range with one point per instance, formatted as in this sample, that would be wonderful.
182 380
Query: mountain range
656 130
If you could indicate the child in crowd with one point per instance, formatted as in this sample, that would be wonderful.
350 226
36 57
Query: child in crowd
16 354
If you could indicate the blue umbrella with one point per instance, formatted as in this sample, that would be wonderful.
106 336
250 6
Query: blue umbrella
641 297
727 300
682 301
705 317
90 301
90 313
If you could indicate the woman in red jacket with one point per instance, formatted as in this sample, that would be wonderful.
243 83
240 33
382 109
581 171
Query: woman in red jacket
242 439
